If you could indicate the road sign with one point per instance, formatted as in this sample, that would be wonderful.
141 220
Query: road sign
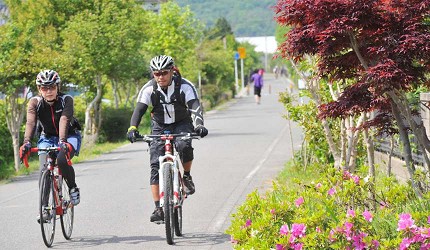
242 52
236 56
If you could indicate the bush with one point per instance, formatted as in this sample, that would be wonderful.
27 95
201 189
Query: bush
332 212
115 124
6 152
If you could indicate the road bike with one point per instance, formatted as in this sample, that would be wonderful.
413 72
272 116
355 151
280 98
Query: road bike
172 189
54 198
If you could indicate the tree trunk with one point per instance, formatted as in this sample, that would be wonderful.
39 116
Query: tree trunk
14 113
415 123
116 98
390 156
93 116
407 153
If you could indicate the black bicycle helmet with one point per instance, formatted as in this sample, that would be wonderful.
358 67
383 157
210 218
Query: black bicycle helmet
161 62
47 78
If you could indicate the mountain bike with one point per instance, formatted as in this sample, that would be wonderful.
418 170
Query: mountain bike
54 198
172 189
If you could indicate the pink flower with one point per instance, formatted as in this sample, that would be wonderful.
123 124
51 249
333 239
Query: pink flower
348 230
284 230
375 243
346 175
356 179
248 223
280 247
273 211
318 185
368 216
332 191
358 243
331 236
350 213
318 229
405 222
297 246
405 244
299 201
298 230
232 240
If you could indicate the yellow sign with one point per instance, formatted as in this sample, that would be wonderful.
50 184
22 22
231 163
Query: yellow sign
242 52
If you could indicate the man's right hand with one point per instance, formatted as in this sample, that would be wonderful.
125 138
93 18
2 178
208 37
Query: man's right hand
132 133
24 150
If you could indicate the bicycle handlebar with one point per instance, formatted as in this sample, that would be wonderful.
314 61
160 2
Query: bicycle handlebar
35 150
163 137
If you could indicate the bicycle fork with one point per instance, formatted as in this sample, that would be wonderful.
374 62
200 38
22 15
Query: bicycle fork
175 180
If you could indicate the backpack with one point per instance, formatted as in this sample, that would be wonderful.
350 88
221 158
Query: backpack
155 96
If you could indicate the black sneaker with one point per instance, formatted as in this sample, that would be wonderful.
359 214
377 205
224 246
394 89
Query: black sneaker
157 216
189 185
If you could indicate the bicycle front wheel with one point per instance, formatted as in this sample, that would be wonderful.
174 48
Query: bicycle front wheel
168 203
47 211
68 212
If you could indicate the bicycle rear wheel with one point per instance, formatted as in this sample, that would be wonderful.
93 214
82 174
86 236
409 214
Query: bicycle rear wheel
178 220
47 211
168 203
68 212
178 210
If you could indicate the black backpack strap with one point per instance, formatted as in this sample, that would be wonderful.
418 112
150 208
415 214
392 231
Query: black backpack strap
178 81
155 98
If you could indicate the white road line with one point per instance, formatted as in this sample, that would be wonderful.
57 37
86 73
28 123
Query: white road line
223 214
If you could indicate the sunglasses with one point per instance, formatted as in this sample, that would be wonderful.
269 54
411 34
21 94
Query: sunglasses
46 88
161 73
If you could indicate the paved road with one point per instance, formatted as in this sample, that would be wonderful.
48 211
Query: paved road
246 147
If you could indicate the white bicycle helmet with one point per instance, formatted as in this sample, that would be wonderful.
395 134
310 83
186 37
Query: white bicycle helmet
161 62
48 78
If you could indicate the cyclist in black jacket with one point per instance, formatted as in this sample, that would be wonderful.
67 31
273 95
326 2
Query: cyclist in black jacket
175 108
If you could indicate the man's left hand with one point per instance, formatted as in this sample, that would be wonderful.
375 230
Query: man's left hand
201 131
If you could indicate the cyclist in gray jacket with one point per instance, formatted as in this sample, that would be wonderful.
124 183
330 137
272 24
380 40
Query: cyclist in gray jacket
175 108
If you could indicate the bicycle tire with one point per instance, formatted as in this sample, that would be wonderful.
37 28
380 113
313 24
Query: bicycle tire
46 191
168 203
178 220
68 212
178 210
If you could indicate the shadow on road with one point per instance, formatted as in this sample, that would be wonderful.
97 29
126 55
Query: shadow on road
188 240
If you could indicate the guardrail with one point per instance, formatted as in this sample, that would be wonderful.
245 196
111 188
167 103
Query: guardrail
383 144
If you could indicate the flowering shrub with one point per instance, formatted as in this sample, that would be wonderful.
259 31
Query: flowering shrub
333 212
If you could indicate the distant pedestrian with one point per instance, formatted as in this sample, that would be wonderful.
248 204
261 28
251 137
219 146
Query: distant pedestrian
276 71
257 78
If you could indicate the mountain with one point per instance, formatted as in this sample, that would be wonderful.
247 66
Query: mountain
247 18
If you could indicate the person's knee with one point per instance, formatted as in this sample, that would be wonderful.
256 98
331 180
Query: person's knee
154 180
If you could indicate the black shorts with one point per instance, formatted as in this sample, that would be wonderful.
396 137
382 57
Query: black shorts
257 91
156 148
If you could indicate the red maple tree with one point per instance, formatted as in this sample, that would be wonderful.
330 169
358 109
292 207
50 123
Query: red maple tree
383 46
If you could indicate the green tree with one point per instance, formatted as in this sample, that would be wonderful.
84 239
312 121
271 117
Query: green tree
96 42
175 32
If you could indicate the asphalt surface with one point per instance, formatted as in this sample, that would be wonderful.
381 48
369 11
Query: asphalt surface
248 144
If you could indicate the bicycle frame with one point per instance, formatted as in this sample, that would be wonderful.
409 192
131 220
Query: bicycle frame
171 156
55 176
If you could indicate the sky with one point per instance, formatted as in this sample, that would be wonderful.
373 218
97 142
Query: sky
265 44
